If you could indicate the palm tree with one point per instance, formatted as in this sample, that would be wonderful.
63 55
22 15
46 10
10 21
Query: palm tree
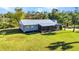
19 14
74 18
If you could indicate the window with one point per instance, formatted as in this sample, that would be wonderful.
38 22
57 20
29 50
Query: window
32 26
28 26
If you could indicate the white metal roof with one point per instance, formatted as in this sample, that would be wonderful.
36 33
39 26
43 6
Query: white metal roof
42 22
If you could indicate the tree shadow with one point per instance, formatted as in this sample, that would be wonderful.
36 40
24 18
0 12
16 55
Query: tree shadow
10 31
63 32
15 31
31 32
64 46
49 33
77 31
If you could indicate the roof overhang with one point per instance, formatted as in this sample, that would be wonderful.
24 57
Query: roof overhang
47 24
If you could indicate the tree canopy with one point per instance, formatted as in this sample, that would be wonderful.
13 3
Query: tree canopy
10 19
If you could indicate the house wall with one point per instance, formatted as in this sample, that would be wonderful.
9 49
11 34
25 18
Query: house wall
26 28
30 28
21 26
58 27
48 28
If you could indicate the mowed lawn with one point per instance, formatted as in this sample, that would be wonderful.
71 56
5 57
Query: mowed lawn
18 41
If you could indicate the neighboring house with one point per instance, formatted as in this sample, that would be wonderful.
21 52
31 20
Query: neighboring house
41 25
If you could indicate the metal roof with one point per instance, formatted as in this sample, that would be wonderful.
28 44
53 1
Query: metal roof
42 22
47 24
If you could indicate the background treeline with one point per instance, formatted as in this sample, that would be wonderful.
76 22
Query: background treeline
9 19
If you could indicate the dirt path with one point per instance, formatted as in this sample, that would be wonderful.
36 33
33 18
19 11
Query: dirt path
72 29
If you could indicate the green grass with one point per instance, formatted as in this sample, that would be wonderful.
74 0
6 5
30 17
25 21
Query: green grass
17 41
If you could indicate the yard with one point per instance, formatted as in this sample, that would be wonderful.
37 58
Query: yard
14 40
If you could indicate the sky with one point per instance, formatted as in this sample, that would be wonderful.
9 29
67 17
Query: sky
39 9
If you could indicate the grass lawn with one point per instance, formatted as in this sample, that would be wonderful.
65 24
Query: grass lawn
58 41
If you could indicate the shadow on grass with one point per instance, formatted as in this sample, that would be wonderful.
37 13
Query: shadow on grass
15 31
77 31
31 33
64 46
10 31
64 31
49 33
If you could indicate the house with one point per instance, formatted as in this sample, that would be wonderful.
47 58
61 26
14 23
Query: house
41 25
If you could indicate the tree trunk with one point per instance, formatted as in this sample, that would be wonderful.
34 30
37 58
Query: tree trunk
64 27
74 28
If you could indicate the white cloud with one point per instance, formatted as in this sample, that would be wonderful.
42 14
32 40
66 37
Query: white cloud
45 9
50 8
39 9
7 8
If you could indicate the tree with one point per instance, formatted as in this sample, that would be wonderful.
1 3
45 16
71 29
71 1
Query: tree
19 14
75 18
37 15
54 14
10 19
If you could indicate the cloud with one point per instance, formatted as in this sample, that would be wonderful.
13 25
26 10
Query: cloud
39 9
6 8
50 8
9 9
